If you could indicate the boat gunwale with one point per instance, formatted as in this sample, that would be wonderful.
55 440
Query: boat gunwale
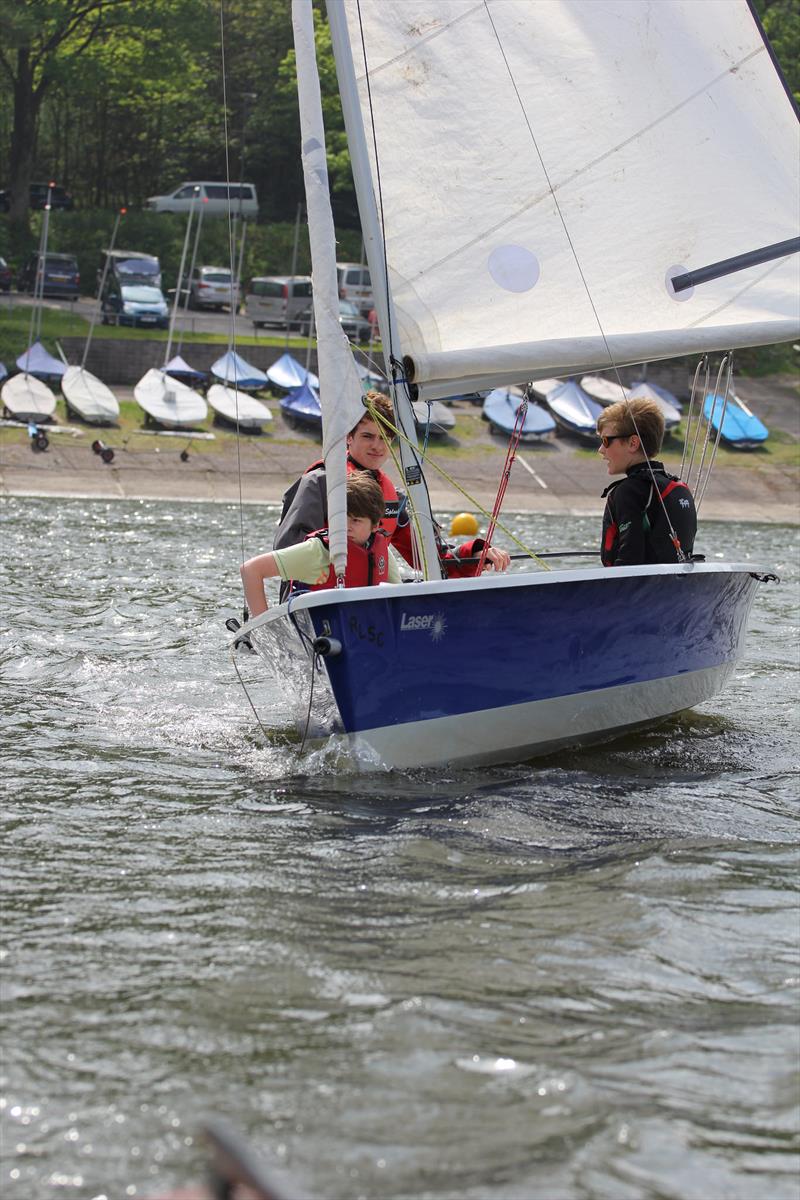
493 582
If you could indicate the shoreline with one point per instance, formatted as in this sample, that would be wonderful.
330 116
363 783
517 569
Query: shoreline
224 489
555 477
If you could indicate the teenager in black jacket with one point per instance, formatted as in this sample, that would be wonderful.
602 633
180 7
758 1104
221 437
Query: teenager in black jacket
650 515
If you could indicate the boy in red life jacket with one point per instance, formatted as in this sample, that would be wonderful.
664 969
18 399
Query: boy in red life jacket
305 504
309 562
649 510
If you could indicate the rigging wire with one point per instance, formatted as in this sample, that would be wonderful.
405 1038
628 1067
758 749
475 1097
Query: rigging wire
231 256
726 394
611 359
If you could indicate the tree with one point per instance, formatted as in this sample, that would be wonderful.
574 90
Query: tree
40 39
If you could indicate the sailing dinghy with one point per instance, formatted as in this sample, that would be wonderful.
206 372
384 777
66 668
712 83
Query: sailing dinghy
573 410
302 407
26 398
738 427
168 401
434 418
544 232
85 395
236 407
606 391
88 397
500 410
287 373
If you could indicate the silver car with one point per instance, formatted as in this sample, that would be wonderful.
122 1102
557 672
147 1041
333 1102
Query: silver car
211 287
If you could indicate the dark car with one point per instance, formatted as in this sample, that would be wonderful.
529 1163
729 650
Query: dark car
61 276
59 197
6 276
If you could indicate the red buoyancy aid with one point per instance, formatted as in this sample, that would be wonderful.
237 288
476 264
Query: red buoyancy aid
366 565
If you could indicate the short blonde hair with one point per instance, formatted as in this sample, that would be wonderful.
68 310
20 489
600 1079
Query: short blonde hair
629 417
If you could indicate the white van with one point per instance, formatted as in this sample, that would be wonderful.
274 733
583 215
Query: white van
355 285
216 198
276 299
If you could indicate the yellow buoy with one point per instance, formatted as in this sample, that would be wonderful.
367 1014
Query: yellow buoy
464 523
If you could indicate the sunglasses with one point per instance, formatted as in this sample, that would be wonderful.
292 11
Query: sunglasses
607 438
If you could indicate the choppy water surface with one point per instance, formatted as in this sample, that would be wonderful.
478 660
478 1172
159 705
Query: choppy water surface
573 978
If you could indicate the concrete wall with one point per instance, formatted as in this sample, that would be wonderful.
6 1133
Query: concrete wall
125 360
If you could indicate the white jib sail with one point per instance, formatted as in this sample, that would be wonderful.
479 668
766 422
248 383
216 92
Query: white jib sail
546 165
340 389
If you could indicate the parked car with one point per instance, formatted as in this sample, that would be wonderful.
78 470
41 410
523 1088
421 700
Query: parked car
6 276
355 285
217 198
276 299
124 303
356 327
210 287
58 275
59 197
130 267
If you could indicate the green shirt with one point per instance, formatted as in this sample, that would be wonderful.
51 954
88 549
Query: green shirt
309 562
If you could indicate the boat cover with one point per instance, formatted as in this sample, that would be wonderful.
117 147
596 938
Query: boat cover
287 373
36 361
739 426
239 408
500 407
232 368
570 405
303 405
179 367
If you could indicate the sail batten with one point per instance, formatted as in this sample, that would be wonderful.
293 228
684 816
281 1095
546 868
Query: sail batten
547 169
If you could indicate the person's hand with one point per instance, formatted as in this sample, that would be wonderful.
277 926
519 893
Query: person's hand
500 560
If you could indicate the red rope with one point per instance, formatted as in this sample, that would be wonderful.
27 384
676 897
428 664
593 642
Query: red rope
511 454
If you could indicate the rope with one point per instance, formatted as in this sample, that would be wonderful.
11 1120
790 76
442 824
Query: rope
511 454
384 424
314 669
247 694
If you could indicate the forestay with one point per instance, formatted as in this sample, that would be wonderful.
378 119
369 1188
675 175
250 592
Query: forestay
546 167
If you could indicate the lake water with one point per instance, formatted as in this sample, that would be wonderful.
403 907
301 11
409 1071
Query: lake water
567 979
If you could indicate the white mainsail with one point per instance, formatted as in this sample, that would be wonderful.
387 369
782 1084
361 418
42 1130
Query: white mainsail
520 138
340 386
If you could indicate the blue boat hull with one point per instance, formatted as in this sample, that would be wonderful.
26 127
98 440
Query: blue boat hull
501 669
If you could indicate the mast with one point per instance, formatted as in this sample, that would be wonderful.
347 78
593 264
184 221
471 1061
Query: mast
373 244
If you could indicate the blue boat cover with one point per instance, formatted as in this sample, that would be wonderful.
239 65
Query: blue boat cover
500 407
178 367
36 361
303 405
232 368
287 373
739 427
